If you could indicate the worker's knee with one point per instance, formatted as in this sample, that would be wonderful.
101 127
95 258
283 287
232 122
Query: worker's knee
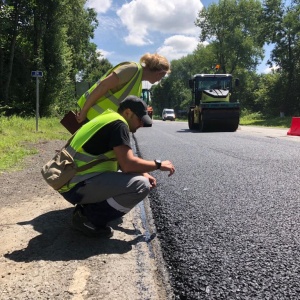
142 186
137 190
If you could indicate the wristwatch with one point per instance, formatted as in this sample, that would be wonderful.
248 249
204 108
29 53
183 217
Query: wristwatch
158 163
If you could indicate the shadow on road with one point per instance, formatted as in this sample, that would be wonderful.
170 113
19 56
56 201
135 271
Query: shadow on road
59 242
186 130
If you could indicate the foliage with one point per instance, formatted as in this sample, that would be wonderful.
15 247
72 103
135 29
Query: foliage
96 67
249 115
282 28
269 94
170 94
245 93
233 30
51 36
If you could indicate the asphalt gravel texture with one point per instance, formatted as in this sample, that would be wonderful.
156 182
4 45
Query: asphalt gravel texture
228 220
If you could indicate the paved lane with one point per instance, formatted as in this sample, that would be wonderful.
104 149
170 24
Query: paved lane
229 218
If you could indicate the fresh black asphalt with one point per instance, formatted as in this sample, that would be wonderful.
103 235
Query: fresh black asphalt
228 219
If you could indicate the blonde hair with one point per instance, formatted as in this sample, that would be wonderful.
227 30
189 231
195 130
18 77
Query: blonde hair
155 62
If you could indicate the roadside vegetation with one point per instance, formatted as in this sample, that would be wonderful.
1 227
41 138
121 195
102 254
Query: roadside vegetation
257 119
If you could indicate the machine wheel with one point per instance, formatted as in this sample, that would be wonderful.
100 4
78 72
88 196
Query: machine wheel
191 120
202 126
233 127
195 126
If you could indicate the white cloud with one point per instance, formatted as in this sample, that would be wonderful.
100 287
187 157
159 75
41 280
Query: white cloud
177 46
109 23
104 54
271 70
129 28
100 6
141 18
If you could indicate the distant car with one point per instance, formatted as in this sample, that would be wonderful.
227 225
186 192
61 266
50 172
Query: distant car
168 114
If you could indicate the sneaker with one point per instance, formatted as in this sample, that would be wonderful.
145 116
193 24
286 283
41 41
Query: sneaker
81 223
79 208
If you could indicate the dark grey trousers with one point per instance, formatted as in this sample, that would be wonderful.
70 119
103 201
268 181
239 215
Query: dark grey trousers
122 191
109 195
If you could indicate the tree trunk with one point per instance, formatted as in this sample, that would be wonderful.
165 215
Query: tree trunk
1 73
12 51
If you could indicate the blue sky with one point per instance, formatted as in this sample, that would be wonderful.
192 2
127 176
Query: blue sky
128 29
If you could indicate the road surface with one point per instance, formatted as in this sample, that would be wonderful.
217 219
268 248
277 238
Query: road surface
229 218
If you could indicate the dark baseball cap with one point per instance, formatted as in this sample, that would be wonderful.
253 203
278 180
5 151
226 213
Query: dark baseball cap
137 106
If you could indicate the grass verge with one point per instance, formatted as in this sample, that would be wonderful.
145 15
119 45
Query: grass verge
19 135
259 120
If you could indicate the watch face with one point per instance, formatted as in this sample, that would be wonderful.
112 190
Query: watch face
158 163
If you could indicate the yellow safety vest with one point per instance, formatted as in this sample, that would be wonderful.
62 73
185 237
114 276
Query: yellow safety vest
82 158
110 100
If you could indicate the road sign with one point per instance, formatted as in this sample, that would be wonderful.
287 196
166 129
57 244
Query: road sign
36 74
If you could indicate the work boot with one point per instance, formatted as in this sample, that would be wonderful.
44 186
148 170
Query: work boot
81 223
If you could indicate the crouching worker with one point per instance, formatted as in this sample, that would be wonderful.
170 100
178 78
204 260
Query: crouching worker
103 193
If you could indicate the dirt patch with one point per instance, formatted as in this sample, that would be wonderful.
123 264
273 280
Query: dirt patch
43 258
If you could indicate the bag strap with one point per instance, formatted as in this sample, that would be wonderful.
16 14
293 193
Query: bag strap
93 163
69 141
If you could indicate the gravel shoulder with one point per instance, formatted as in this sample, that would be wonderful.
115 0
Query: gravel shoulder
43 258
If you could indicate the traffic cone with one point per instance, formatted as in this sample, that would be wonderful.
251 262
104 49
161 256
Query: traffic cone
295 127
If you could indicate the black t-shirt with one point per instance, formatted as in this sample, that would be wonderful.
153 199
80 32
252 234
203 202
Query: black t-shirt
109 136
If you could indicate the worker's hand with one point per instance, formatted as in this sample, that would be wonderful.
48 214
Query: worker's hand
81 116
166 165
152 180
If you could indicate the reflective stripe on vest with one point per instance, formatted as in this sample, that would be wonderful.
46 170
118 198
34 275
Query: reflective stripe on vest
110 100
81 157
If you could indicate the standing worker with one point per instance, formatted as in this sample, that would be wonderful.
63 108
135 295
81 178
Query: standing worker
119 82
102 193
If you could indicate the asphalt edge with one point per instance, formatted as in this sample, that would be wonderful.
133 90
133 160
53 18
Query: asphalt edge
162 274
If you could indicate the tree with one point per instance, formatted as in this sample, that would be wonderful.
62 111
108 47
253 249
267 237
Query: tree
81 24
51 36
269 94
16 20
96 67
5 16
282 28
233 30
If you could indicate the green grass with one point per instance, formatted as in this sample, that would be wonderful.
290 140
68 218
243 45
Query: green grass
19 136
257 119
